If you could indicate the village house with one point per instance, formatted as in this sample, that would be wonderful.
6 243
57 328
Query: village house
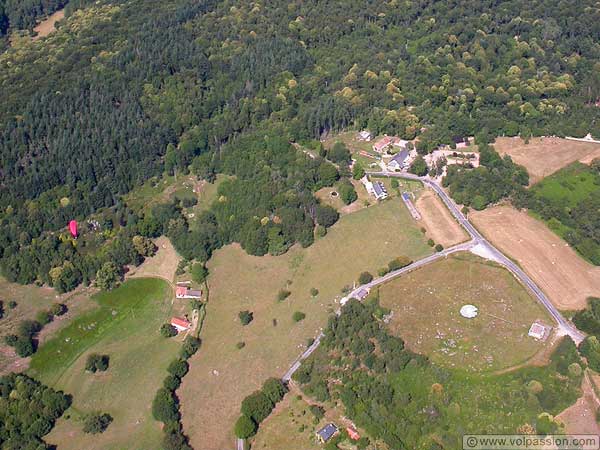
180 324
376 189
326 433
399 161
365 135
354 435
185 292
387 142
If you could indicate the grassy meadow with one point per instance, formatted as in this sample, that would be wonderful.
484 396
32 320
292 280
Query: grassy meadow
124 325
569 186
426 304
222 375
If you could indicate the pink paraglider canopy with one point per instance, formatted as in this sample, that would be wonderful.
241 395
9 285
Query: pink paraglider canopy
73 228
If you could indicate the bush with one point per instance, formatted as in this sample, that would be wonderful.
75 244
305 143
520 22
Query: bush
439 247
399 263
317 411
167 330
171 382
590 348
58 309
245 427
383 271
199 273
274 389
314 292
178 368
257 406
326 216
96 362
298 316
190 346
240 345
245 317
96 423
321 231
12 304
283 294
430 242
365 278
164 406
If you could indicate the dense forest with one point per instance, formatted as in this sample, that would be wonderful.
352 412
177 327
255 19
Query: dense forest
126 90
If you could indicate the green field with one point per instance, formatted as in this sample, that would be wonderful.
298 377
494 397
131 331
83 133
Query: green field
124 325
221 375
569 202
569 186
426 304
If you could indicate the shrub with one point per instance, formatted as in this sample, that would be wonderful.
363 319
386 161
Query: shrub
365 278
399 263
167 330
240 345
439 247
383 271
575 370
96 423
178 368
430 242
321 231
58 309
24 346
274 389
96 362
257 406
199 273
12 304
164 406
283 294
534 387
590 348
190 346
298 316
245 427
317 411
314 292
245 317
171 382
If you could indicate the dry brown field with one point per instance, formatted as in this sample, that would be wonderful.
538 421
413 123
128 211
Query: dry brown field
561 273
162 265
437 220
580 418
544 156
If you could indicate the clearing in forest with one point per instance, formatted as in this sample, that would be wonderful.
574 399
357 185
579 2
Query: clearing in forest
47 26
544 156
566 278
437 220
124 325
221 375
425 307
162 265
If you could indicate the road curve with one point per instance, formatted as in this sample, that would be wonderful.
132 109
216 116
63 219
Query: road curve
564 325
476 239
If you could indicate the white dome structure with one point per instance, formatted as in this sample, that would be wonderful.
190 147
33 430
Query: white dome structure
468 311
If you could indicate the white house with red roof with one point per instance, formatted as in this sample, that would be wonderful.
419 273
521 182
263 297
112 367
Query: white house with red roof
180 324
185 292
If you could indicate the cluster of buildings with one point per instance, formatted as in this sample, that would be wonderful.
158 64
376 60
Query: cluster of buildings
330 430
181 323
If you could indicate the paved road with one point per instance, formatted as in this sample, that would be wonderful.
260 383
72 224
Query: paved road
564 325
476 240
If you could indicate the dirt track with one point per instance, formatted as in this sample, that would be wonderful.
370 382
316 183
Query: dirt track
544 156
580 418
437 220
563 275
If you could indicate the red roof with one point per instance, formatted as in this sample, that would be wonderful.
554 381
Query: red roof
179 322
382 143
353 434
181 290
